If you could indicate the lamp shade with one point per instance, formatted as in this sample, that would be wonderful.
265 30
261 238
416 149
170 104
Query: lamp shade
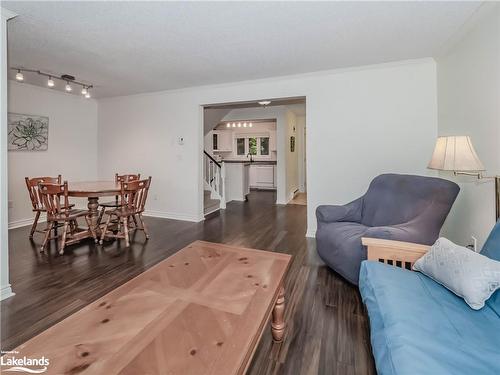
455 153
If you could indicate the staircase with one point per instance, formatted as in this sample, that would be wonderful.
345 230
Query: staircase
214 182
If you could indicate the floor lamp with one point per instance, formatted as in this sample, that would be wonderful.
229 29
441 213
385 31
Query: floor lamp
456 154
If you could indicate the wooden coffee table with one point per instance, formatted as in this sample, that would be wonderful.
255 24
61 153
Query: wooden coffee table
201 311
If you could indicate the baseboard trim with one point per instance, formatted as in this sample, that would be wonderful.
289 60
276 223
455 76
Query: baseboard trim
311 233
26 222
173 216
6 292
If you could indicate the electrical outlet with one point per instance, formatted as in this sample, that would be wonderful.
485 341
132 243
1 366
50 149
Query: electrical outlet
474 243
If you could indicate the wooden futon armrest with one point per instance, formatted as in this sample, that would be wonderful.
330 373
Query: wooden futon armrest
396 253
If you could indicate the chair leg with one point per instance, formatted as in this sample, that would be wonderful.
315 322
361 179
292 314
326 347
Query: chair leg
125 230
63 238
144 227
105 229
135 221
35 222
99 218
47 235
91 228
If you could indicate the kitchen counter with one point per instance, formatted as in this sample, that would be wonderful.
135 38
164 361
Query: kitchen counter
259 162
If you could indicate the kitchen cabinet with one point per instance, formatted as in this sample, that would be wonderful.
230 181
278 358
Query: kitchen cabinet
222 141
262 176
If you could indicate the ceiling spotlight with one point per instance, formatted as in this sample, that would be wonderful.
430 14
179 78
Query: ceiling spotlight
50 82
68 87
239 124
19 76
250 124
84 91
87 95
244 124
228 125
265 102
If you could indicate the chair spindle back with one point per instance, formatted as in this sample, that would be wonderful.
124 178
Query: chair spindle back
34 192
55 198
134 194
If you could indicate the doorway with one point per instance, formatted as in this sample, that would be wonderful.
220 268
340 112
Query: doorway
252 146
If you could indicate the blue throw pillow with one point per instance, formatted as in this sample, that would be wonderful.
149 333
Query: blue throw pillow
491 248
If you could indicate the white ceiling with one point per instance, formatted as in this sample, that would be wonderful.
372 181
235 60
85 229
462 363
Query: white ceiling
133 47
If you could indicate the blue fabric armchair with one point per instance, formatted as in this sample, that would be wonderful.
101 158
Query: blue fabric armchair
395 207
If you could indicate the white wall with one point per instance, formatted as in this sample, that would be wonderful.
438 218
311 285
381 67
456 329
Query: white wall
72 148
469 104
361 122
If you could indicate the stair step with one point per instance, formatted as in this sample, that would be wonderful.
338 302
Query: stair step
209 205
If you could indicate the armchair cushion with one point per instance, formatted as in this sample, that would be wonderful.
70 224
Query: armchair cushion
339 245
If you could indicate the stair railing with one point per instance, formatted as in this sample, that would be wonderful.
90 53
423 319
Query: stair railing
215 178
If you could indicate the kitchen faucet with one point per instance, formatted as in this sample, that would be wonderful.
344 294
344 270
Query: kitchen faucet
251 157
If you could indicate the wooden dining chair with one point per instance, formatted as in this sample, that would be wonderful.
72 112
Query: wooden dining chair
133 196
56 202
116 202
36 199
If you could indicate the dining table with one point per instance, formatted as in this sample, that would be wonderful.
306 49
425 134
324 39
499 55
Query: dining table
93 190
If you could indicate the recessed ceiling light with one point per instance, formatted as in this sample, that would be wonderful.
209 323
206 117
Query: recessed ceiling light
265 102
234 124
244 124
239 124
250 125
228 125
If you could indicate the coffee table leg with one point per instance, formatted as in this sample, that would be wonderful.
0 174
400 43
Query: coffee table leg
278 322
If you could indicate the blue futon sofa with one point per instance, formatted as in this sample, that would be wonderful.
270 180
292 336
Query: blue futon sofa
420 327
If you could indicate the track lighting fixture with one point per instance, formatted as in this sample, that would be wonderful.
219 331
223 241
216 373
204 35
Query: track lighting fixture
51 81
19 76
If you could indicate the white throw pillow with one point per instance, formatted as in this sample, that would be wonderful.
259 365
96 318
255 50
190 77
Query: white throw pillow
469 275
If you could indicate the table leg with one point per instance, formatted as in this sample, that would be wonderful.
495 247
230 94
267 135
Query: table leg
278 321
93 207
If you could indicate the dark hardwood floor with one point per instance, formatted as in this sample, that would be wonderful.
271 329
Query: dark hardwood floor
327 330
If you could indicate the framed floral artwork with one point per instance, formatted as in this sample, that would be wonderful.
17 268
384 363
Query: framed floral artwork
28 132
